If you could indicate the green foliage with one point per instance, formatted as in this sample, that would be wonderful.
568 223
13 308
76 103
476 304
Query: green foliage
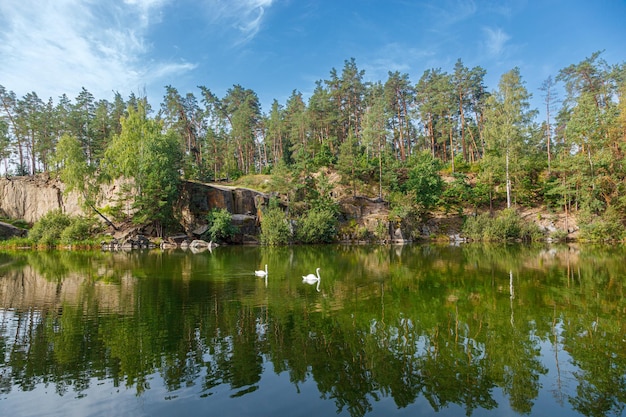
460 164
393 135
460 194
424 180
457 193
153 159
324 157
282 179
508 225
275 229
605 228
78 230
56 227
318 225
321 198
48 229
220 225
402 207
75 171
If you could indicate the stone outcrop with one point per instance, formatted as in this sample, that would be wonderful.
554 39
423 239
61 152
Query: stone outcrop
8 231
30 198
198 199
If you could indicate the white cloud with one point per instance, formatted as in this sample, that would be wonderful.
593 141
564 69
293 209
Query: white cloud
496 41
60 46
244 15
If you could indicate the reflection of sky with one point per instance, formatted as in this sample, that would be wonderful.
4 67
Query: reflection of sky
275 396
558 383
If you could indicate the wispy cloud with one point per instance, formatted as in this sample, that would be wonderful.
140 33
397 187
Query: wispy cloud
246 16
57 47
450 12
395 57
495 41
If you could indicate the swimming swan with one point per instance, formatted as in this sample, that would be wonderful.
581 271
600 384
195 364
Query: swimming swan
312 279
261 273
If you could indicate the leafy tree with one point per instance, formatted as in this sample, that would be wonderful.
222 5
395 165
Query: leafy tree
82 117
347 162
436 103
5 144
77 174
322 116
74 170
153 160
375 134
242 109
220 224
182 115
400 98
283 180
276 134
29 110
424 181
507 125
295 124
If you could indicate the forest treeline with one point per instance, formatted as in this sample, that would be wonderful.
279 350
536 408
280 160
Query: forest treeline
394 138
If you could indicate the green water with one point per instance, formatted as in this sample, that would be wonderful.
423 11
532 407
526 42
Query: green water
393 330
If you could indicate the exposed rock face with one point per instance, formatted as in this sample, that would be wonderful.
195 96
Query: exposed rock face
198 199
29 198
8 231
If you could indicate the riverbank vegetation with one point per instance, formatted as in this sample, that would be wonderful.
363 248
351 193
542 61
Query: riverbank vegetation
445 143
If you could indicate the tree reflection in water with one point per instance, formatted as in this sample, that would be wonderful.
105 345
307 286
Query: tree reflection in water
471 327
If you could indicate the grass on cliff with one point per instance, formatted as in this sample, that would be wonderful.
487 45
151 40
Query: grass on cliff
259 182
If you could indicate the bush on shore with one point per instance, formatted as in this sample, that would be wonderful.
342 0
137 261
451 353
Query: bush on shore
507 225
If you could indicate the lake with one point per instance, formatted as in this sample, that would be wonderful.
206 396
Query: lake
428 330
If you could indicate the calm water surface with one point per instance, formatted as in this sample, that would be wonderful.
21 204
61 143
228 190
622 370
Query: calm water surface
393 331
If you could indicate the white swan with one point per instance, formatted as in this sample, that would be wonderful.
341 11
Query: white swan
261 273
312 279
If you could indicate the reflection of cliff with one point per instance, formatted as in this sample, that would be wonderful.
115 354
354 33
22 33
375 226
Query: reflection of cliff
26 289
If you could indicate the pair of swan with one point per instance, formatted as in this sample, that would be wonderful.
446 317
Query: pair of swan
307 279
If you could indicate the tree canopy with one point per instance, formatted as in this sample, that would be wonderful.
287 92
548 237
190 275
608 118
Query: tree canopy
371 132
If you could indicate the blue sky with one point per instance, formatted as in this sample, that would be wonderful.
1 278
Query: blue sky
53 47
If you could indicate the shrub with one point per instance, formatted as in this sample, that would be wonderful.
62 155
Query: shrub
78 230
507 225
47 230
220 225
317 226
275 228
608 227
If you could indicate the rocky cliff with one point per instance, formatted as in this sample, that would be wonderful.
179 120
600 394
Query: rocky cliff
30 198
198 199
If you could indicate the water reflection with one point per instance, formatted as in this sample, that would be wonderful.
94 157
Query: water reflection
393 330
